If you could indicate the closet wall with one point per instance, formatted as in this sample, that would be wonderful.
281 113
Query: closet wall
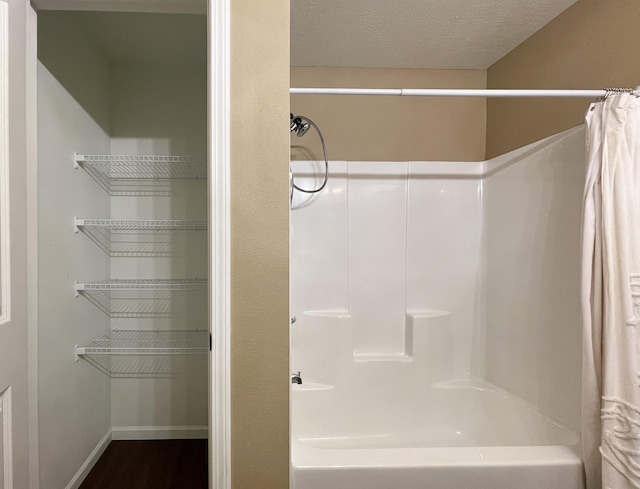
74 398
161 110
94 99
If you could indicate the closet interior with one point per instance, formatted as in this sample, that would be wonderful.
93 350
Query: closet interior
123 335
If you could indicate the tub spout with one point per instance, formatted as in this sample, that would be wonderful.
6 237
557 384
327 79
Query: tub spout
295 378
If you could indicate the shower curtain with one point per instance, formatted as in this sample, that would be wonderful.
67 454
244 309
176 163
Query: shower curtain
611 295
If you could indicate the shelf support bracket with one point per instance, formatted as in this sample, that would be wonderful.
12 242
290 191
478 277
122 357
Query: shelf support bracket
77 158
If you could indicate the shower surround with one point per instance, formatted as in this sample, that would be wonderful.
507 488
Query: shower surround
438 322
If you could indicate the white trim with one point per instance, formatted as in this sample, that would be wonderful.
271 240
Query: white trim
471 170
6 407
32 243
85 468
5 238
219 244
159 432
501 162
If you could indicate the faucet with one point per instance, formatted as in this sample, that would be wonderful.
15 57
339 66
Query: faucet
295 378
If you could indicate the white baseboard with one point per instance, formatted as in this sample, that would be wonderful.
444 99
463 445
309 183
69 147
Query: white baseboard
159 432
88 464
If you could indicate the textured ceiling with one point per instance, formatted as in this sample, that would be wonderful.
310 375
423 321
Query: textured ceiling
436 34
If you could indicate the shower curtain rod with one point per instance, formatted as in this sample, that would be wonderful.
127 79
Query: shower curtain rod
458 92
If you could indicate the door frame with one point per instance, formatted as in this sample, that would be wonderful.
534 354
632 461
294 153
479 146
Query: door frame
31 52
218 15
5 264
6 440
23 54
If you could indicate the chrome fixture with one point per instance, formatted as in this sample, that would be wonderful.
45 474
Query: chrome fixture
295 378
296 125
300 125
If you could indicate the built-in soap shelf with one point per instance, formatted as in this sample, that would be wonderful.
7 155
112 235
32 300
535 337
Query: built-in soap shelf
311 386
145 298
153 238
140 174
428 349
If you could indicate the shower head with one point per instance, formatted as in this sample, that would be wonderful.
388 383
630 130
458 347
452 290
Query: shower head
297 125
301 125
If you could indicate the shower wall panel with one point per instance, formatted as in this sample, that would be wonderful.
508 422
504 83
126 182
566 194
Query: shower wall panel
319 244
443 250
493 246
377 216
531 274
386 239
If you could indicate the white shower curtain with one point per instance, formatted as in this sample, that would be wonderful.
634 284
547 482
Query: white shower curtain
611 295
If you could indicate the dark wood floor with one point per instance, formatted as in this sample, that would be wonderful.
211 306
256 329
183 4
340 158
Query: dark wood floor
156 464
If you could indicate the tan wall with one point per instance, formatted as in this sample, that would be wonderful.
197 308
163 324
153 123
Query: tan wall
591 45
391 128
259 244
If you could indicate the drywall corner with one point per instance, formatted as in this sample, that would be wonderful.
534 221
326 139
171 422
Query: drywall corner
260 244
586 47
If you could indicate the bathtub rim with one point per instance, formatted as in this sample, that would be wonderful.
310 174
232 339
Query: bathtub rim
307 456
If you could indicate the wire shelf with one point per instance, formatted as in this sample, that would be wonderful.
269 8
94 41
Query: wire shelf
148 342
140 174
141 237
146 298
144 284
147 353
149 366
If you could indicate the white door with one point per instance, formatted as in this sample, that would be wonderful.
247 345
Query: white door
16 41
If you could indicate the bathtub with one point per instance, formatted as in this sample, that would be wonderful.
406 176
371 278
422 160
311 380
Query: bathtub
406 422
397 272
449 435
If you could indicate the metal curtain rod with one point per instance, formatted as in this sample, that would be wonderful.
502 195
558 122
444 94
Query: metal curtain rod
457 92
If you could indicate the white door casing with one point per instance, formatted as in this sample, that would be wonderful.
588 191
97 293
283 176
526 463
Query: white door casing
6 440
15 87
5 269
18 328
219 87
219 216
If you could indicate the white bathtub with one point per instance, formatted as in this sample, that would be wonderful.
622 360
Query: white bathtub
407 276
451 435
